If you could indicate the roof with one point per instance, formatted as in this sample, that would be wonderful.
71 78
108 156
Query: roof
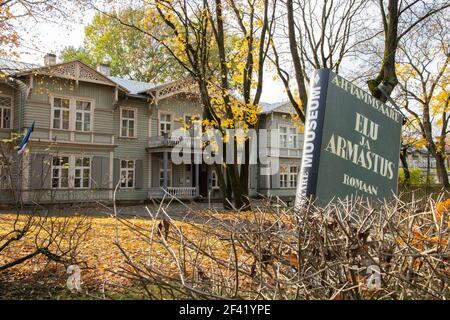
133 86
271 107
11 66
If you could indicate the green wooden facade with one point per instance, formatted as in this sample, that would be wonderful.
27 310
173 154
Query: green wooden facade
91 130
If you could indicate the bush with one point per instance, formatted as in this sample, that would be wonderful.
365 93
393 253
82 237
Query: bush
416 177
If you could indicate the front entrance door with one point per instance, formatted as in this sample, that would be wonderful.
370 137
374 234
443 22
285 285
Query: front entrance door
203 180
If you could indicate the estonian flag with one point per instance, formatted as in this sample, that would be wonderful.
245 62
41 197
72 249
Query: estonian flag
24 142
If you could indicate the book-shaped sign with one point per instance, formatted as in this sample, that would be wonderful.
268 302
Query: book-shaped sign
351 143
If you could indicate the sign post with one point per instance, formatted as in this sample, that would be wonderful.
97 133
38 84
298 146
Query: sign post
351 143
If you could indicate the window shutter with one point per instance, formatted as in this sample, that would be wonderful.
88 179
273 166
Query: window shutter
139 173
100 172
40 174
116 172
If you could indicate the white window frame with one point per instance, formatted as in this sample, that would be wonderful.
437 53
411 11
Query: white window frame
285 135
82 168
72 112
169 174
83 116
293 176
172 116
71 171
127 172
10 108
291 137
60 168
134 119
284 177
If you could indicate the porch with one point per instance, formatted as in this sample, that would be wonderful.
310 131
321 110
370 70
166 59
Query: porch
184 181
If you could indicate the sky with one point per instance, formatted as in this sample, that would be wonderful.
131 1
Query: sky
41 38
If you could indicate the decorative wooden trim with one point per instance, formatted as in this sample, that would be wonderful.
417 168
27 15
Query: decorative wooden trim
170 89
73 70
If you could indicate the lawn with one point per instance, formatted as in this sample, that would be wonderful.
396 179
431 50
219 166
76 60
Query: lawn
100 259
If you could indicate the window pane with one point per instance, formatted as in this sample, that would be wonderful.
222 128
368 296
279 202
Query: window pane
65 103
57 103
87 122
86 162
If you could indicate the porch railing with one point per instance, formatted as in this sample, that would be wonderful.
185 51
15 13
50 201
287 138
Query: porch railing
179 192
170 141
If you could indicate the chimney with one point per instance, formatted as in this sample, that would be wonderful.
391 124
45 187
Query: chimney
49 59
104 68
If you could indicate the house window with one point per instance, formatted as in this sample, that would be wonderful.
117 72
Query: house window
283 137
82 172
293 138
161 174
5 112
128 123
284 176
83 116
71 114
293 173
165 123
214 180
60 172
61 113
127 173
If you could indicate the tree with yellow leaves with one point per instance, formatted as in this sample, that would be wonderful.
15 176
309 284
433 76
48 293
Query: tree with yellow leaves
424 80
223 45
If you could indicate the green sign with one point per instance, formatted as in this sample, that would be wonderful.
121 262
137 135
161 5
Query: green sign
351 143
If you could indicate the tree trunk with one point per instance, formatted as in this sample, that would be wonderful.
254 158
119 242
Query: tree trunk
403 157
387 75
442 170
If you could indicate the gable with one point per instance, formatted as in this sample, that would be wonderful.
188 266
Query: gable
285 108
73 70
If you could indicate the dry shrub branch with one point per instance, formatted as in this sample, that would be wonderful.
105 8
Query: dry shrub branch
346 250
